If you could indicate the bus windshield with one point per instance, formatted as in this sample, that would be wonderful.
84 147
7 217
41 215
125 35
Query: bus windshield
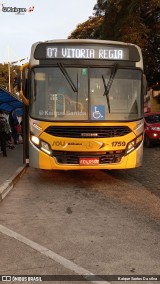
79 93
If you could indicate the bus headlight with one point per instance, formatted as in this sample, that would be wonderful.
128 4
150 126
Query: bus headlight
45 147
35 139
134 144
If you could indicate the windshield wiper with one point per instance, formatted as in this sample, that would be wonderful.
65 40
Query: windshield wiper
66 75
108 86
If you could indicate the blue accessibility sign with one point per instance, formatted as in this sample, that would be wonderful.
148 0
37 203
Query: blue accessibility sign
98 112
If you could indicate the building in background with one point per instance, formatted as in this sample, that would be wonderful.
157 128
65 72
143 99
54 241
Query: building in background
152 99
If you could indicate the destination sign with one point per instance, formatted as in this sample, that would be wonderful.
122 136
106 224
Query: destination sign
88 52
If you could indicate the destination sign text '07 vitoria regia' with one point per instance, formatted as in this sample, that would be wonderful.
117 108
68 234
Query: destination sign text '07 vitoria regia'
108 53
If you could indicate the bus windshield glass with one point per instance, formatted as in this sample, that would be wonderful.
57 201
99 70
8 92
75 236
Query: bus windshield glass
79 93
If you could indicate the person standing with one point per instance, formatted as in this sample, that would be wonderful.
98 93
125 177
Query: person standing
13 122
3 134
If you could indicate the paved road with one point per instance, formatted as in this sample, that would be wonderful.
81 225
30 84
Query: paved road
149 173
70 222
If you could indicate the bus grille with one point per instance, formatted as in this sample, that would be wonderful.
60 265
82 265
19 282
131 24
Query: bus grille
88 131
68 158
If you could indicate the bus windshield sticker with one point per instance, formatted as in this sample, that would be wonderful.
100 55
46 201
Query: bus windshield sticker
98 112
84 71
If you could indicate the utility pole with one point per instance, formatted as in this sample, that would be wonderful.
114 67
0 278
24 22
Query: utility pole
9 68
9 77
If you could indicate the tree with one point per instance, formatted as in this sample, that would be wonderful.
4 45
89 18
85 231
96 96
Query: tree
137 22
151 15
134 21
90 29
4 75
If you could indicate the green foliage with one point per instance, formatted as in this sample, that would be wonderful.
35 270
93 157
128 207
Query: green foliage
4 75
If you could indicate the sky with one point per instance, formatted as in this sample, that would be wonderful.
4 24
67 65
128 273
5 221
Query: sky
49 20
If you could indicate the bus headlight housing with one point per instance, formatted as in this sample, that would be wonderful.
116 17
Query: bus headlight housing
45 147
42 145
134 144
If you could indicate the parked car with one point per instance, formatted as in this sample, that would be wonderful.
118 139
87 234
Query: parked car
151 128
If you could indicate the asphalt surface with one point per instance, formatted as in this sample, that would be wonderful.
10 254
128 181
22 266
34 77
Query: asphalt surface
106 222
149 174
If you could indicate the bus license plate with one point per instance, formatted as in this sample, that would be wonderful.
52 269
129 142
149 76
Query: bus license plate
89 161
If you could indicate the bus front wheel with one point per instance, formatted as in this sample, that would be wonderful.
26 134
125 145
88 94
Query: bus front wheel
147 141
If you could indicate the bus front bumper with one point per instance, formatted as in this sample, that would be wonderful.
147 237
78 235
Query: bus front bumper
42 160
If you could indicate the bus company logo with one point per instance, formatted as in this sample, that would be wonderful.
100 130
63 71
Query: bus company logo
17 11
89 145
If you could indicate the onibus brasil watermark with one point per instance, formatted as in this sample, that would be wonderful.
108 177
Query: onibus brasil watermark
68 278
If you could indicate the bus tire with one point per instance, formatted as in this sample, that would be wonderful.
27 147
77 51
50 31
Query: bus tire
147 141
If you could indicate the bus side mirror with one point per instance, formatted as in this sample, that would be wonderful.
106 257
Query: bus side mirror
22 83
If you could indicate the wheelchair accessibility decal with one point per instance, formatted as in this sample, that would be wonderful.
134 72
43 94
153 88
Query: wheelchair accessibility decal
98 112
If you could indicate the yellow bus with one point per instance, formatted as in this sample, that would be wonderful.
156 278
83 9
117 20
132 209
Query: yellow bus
85 104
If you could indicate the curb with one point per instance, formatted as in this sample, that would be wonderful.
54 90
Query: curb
10 182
